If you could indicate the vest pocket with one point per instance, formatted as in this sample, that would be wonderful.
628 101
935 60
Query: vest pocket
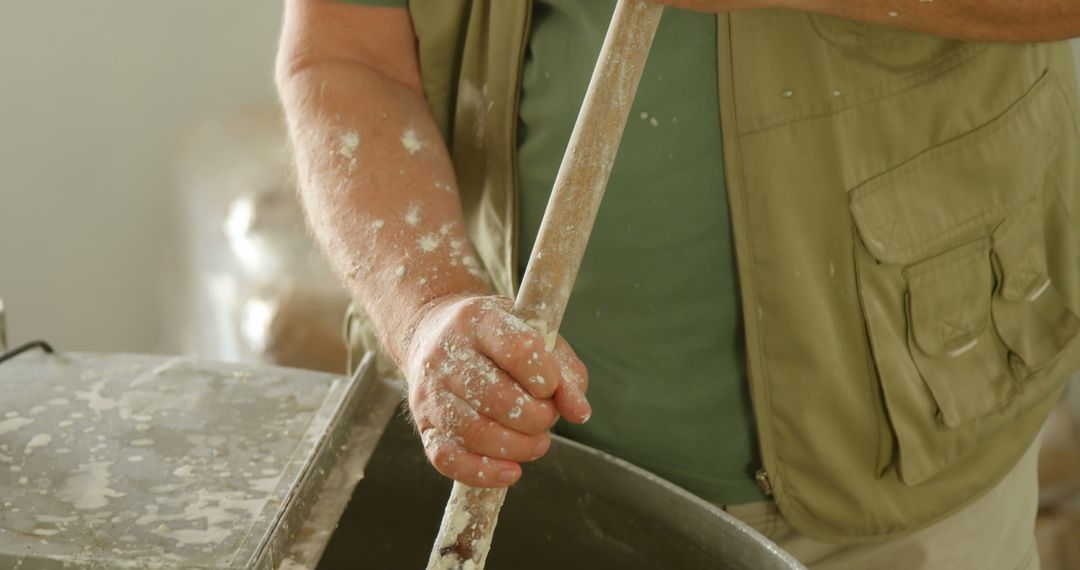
950 337
963 320
1028 312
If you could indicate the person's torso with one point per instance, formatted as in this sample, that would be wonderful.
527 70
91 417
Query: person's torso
654 312
904 211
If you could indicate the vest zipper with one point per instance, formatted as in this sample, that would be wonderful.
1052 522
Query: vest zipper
737 207
761 477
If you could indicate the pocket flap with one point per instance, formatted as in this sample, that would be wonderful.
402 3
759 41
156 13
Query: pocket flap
960 189
1021 251
950 299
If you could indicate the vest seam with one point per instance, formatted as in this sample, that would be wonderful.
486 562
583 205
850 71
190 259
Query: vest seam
825 109
963 141
515 190
757 381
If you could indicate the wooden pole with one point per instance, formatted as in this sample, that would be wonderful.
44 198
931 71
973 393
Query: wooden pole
471 513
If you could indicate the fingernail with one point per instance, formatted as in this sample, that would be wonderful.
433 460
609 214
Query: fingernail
507 477
541 448
588 413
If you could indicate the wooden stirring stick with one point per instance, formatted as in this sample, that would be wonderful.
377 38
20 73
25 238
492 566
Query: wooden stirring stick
471 513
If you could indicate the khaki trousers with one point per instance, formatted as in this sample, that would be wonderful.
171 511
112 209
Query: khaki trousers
996 532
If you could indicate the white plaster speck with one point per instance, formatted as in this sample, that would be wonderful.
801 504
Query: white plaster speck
348 142
39 440
411 141
412 214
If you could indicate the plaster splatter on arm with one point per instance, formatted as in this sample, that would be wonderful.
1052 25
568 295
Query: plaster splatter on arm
378 187
374 172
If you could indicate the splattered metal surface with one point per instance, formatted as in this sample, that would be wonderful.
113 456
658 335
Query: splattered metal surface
140 461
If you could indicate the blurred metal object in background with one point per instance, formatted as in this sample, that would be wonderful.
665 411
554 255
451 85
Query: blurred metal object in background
251 286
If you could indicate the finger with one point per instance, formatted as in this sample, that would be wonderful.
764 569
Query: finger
485 437
569 359
570 398
451 459
494 394
482 435
519 350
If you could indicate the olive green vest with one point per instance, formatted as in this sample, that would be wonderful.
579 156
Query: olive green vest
906 213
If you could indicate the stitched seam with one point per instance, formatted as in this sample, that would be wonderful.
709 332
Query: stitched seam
958 143
811 111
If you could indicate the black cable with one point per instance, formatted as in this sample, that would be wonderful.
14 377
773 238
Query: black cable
24 348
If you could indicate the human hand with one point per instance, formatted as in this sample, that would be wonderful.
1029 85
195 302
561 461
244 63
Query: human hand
483 390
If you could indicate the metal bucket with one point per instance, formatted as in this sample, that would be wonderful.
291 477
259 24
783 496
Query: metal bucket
574 508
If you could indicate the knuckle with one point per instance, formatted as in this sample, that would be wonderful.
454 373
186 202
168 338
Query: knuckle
442 457
419 392
475 432
541 385
547 414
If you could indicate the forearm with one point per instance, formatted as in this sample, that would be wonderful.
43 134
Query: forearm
975 20
379 191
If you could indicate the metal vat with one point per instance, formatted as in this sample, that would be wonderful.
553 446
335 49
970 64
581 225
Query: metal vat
574 508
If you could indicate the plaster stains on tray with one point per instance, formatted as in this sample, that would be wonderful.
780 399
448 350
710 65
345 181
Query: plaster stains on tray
93 398
225 444
89 488
411 141
14 423
183 472
39 440
264 484
211 518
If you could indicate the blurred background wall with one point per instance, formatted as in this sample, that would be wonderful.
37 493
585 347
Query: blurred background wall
92 96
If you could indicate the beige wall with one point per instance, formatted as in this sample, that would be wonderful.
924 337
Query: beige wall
92 95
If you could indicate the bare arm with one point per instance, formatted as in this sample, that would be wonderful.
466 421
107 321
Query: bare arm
976 20
375 178
380 194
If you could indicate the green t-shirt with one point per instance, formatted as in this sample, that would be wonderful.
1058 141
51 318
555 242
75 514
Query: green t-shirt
654 313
